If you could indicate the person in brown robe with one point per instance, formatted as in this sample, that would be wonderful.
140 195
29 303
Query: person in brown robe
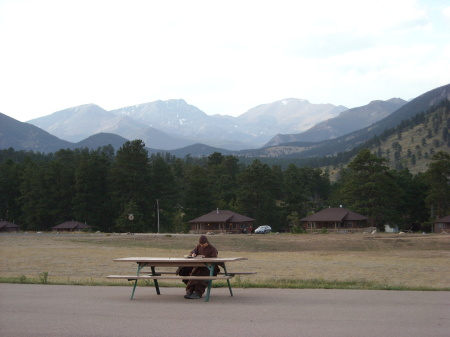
196 288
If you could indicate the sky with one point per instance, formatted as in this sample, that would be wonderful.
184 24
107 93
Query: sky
224 57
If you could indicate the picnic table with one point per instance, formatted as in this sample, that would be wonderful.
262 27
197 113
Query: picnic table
154 262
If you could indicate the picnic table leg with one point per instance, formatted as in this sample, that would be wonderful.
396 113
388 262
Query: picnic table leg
134 288
228 281
135 281
155 281
211 273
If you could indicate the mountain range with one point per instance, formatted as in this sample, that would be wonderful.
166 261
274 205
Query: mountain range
331 147
23 136
347 122
290 127
173 124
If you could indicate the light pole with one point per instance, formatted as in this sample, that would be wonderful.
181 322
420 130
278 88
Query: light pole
157 212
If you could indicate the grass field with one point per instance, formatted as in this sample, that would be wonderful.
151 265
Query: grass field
378 261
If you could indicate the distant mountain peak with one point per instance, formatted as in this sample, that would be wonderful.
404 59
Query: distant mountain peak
347 121
286 101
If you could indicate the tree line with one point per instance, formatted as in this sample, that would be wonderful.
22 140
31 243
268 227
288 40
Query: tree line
130 191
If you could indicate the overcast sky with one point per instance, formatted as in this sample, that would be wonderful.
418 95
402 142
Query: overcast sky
224 57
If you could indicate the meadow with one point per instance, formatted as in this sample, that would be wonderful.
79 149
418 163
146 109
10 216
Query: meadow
358 261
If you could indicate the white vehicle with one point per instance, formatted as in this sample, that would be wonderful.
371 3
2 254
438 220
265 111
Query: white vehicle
263 230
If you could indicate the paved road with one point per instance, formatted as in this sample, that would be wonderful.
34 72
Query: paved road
81 311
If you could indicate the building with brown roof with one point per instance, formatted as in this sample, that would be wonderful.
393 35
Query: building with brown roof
336 220
70 226
221 221
442 225
6 226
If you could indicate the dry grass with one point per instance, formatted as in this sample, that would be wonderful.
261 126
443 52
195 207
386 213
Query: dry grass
410 260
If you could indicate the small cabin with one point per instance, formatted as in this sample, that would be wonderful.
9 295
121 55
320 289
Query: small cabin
6 226
221 221
337 220
70 226
442 225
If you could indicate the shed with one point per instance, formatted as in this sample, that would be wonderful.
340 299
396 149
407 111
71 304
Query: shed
337 220
70 226
442 225
220 221
6 226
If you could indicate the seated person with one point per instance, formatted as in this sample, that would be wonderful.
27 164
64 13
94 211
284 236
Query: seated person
196 288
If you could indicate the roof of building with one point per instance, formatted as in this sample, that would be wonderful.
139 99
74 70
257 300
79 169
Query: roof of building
6 224
444 219
71 225
222 216
335 214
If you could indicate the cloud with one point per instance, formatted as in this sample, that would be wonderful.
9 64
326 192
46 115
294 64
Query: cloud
446 12
223 57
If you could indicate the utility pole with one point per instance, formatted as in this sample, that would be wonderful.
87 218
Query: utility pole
157 212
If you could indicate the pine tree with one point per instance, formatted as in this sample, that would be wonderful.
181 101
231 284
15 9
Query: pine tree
256 194
10 177
198 198
130 181
164 189
371 189
438 178
90 200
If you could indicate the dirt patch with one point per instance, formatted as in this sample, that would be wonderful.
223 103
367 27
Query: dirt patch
408 260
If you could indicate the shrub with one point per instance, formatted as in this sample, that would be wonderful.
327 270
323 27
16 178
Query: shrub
324 231
298 230
44 277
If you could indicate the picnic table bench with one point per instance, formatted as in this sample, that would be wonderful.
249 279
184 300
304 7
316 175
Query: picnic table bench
209 263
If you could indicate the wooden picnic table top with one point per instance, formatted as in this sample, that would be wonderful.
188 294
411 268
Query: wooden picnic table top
179 260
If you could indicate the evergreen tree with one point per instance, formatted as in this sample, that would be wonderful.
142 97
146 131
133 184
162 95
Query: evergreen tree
164 189
34 198
198 197
60 175
317 186
438 178
130 181
256 197
61 188
10 178
90 200
411 207
371 189
130 219
222 171
295 193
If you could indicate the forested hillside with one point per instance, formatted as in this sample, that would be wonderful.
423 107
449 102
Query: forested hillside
103 188
410 145
344 147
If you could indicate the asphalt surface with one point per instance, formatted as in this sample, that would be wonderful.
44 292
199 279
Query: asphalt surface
82 311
